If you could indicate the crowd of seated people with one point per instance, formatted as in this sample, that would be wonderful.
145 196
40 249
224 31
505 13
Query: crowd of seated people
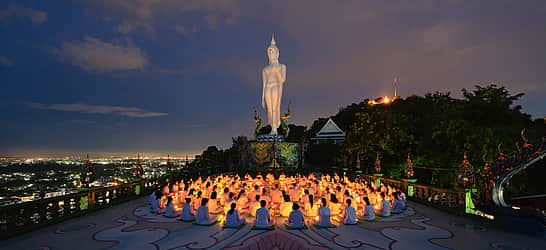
322 200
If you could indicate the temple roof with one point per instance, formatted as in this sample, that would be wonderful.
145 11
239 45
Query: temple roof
330 129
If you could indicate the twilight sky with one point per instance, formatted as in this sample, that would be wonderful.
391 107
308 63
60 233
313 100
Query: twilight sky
173 76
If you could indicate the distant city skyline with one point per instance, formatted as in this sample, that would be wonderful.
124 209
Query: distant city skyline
169 76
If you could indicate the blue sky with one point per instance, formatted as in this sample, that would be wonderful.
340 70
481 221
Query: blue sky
174 76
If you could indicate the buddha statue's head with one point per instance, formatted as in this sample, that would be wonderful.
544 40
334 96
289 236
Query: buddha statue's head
273 52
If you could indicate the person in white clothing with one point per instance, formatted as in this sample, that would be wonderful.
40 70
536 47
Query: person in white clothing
263 220
213 204
296 219
323 215
349 214
203 217
294 193
285 206
369 214
255 205
157 205
232 217
385 206
170 210
187 211
276 195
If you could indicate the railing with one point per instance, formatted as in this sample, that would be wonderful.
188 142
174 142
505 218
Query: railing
443 198
23 217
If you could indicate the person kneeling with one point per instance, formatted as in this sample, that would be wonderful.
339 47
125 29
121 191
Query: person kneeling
263 220
232 217
295 220
349 214
203 217
187 211
170 210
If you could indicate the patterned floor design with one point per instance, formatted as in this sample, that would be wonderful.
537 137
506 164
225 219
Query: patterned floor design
131 226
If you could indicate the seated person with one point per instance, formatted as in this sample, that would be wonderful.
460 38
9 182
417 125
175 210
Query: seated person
263 220
349 214
385 206
294 193
396 204
152 199
335 207
228 202
254 205
402 197
187 211
285 207
265 196
310 207
323 215
170 210
305 197
232 217
255 192
224 197
157 205
197 200
368 210
242 200
203 217
295 220
213 204
276 195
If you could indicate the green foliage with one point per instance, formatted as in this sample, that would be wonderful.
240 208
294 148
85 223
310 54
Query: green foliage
436 129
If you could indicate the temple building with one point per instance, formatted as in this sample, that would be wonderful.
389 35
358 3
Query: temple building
329 133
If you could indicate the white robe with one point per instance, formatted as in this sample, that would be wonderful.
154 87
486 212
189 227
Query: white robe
285 209
262 218
396 206
203 217
296 220
276 196
233 219
349 215
324 217
369 213
255 205
385 208
294 195
170 211
187 213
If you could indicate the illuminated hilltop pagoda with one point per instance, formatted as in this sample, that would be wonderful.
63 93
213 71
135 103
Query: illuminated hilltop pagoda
385 99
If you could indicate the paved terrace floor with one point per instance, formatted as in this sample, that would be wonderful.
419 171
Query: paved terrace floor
131 226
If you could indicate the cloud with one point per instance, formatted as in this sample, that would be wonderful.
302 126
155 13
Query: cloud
145 13
92 54
98 109
125 27
20 12
4 61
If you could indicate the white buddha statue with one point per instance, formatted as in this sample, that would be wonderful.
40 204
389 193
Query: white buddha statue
273 77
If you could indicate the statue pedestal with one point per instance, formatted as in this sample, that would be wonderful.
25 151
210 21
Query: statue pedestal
274 154
270 138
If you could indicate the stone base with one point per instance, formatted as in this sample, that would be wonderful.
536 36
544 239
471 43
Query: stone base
270 138
274 154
